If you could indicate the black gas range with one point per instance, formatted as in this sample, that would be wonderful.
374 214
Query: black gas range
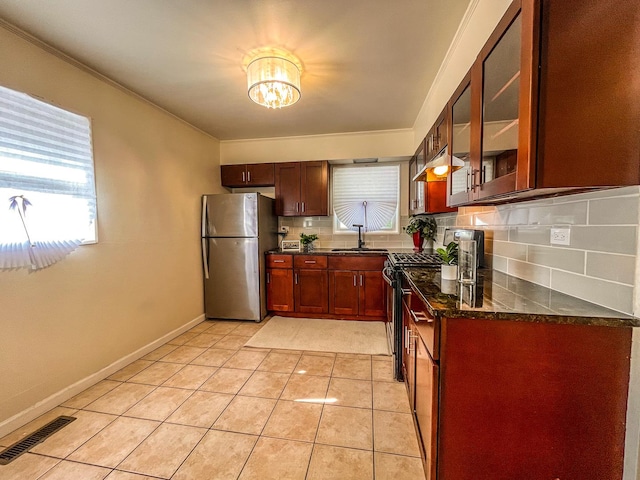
392 274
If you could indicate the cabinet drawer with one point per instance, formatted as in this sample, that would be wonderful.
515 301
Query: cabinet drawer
427 326
357 262
280 261
310 261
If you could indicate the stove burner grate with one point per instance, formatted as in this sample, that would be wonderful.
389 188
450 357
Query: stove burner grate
415 259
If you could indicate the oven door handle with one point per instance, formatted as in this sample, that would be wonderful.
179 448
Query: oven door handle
388 278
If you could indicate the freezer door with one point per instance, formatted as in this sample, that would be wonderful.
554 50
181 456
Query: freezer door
232 289
230 215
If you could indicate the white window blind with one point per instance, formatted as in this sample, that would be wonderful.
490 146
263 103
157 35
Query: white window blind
366 195
47 177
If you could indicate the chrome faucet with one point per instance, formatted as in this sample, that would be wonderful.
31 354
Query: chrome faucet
360 240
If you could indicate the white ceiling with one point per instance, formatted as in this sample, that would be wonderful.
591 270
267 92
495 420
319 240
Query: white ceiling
367 64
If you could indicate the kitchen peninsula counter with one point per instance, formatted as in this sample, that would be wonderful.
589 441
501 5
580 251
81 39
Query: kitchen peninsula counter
500 296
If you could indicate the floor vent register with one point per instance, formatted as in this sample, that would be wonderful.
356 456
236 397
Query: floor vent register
9 454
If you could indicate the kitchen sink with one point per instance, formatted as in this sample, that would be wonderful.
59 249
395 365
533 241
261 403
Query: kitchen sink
359 249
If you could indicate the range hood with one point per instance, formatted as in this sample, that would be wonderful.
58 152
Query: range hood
438 168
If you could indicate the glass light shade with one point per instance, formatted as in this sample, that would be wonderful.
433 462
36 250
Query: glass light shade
274 82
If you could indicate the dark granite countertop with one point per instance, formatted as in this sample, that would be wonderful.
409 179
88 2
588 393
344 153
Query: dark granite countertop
329 251
502 297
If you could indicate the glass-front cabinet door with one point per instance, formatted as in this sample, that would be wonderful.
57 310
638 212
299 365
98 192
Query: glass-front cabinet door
500 99
503 76
460 180
416 189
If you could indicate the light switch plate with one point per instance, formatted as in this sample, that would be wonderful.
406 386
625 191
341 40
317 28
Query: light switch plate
560 236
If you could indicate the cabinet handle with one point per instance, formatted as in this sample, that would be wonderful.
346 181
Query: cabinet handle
268 280
354 281
468 180
296 278
473 179
248 176
420 317
297 207
243 180
406 338
361 280
278 261
309 261
302 207
411 342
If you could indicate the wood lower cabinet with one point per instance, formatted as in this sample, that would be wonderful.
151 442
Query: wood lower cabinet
280 290
280 283
249 175
357 288
511 400
340 286
310 290
302 188
425 404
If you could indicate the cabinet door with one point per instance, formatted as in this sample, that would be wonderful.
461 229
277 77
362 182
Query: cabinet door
372 294
343 292
408 352
314 188
503 79
261 175
287 189
417 189
459 182
280 289
436 198
233 175
589 94
426 406
311 292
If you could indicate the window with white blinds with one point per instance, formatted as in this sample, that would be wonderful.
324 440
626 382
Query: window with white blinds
366 195
47 186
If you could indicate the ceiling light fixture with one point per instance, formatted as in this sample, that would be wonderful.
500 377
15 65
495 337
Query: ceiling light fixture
273 81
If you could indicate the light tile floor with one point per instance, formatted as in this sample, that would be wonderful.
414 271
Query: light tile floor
203 406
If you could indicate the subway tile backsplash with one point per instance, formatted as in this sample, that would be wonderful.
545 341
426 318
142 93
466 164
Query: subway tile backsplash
599 265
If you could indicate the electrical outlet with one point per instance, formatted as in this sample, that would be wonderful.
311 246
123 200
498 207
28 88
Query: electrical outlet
560 236
284 229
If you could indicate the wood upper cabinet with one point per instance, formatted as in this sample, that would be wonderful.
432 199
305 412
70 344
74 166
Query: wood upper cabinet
430 194
302 188
459 182
417 189
250 175
554 104
503 85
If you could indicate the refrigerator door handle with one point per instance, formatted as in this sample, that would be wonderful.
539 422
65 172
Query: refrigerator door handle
204 216
205 259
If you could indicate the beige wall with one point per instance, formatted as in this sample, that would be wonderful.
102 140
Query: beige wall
142 280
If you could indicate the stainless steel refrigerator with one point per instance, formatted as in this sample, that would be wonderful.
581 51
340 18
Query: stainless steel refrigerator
237 230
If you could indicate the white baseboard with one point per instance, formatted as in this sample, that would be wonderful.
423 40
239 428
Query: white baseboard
9 425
